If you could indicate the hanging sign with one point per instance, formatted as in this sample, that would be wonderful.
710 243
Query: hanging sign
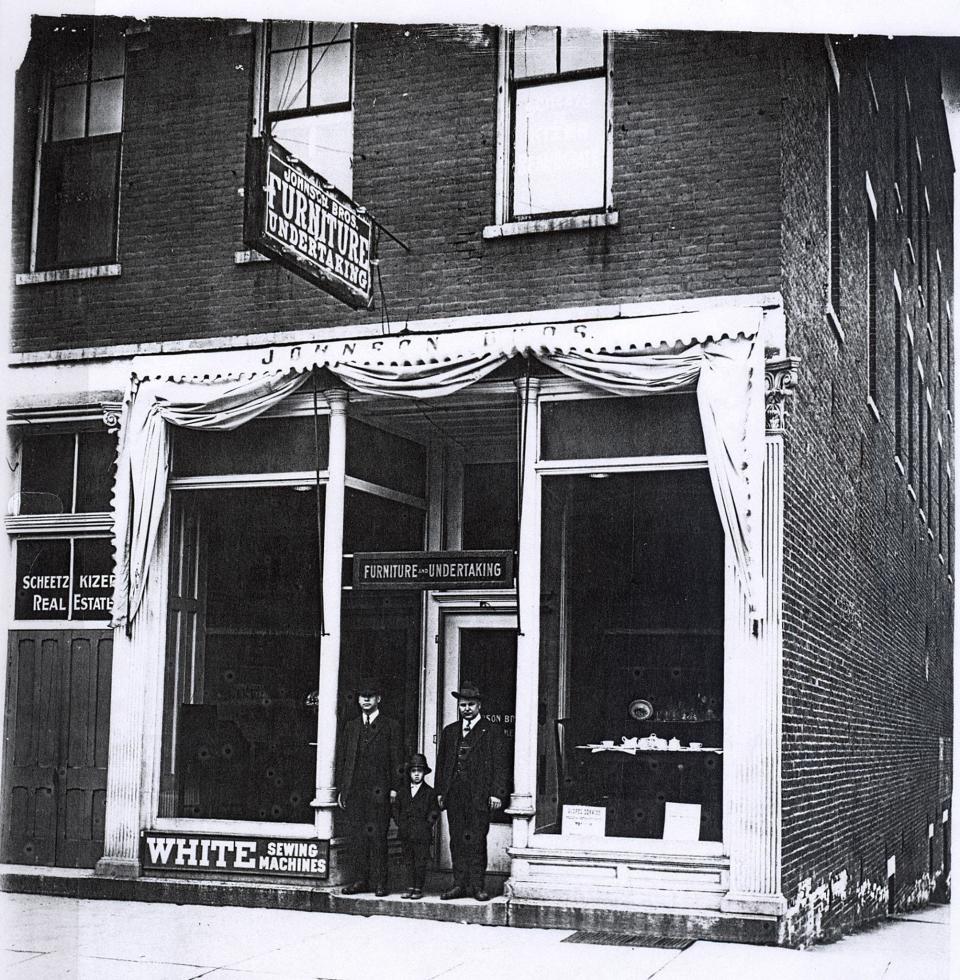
206 853
297 218
433 570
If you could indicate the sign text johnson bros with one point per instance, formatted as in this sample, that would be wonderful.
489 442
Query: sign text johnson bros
297 218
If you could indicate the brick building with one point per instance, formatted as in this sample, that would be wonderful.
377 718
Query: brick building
717 629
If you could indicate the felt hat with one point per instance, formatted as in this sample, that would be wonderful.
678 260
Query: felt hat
468 692
418 761
368 687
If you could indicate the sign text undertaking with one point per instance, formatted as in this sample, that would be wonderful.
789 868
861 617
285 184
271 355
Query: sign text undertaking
246 855
433 570
302 221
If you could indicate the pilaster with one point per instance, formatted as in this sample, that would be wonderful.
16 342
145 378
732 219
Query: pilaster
754 705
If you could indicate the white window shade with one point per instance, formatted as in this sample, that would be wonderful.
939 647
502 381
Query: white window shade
559 147
324 143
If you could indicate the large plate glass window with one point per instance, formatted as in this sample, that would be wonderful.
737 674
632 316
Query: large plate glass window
79 181
632 622
558 91
308 95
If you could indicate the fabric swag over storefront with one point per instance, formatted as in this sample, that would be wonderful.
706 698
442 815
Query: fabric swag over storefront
720 356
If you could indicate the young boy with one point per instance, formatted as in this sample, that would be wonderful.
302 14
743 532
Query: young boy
417 812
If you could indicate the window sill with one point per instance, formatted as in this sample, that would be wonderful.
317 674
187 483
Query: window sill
248 257
899 465
536 226
913 255
872 405
930 532
68 275
831 314
911 492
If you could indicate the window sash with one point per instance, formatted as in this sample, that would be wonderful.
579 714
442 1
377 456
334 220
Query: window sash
313 55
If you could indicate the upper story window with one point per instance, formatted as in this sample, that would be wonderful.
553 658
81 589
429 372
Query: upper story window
833 187
308 95
556 154
79 157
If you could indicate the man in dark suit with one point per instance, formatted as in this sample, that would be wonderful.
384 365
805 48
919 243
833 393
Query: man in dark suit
369 765
471 782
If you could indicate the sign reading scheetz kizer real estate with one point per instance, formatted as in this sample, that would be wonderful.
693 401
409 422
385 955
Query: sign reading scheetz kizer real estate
307 225
200 853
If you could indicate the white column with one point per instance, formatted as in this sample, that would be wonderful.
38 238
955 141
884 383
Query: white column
326 792
753 709
136 661
523 801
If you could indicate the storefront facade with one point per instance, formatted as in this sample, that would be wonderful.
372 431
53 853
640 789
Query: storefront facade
540 436
225 707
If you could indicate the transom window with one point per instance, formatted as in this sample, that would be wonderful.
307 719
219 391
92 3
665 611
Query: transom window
80 153
558 132
308 72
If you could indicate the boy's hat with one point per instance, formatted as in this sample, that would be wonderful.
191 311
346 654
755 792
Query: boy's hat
468 692
418 761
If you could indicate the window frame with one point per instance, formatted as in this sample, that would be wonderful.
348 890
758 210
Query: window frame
65 526
872 299
506 222
262 118
107 264
832 163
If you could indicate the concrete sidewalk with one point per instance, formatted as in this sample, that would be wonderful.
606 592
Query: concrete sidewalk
42 936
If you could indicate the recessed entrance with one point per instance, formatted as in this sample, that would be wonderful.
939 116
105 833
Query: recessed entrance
482 647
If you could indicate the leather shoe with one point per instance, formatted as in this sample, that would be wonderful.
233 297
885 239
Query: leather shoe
481 896
381 891
455 892
355 888
416 893
408 893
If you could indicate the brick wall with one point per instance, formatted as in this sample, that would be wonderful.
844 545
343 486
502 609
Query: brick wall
868 606
696 167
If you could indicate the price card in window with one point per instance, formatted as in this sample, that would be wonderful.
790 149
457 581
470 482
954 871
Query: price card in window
584 821
681 821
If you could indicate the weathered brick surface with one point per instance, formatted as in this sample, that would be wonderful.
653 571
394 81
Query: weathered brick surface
868 607
696 182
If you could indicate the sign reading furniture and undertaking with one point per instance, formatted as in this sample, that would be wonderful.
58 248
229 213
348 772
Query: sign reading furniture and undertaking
244 855
433 570
307 225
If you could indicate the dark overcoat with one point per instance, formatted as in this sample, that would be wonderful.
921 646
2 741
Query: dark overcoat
483 762
416 815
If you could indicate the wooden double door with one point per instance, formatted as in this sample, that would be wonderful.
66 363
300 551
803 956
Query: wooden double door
55 755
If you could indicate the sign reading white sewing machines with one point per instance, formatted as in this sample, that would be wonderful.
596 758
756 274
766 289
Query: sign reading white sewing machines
205 853
306 224
433 569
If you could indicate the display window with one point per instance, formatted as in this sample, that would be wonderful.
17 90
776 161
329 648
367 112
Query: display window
242 661
632 621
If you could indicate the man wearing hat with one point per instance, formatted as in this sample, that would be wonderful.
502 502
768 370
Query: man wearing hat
369 760
417 813
471 782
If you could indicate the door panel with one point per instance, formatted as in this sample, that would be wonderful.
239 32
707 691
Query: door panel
57 724
482 647
83 771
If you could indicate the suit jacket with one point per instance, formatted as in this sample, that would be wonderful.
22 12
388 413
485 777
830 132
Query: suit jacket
385 751
484 764
416 815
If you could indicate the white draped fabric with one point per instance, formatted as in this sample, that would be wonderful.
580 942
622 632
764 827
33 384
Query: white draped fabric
144 460
727 375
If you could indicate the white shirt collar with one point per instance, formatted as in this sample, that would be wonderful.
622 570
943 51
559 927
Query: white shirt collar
415 788
372 717
469 725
